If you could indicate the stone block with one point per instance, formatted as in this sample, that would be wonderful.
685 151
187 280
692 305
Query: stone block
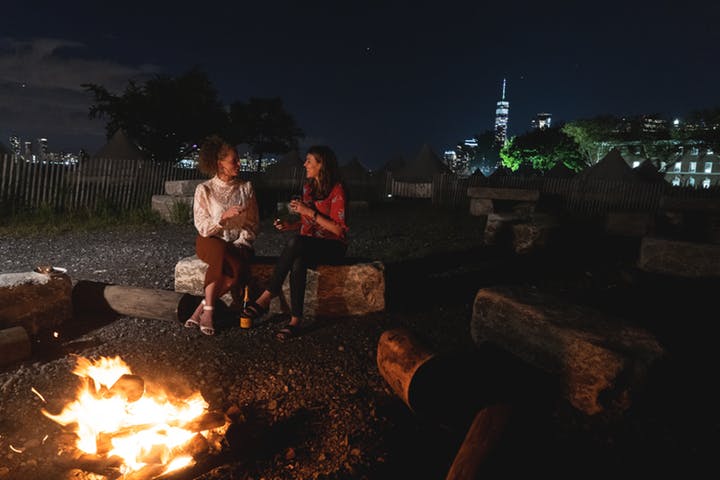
499 228
519 194
481 206
680 258
165 205
332 290
181 188
35 301
629 224
599 362
535 234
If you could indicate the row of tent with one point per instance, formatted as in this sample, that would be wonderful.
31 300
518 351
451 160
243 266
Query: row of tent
424 166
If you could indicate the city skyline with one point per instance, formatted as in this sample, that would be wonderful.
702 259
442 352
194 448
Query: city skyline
374 80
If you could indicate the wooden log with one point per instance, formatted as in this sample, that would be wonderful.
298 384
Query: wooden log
131 301
399 357
14 345
37 301
599 361
482 436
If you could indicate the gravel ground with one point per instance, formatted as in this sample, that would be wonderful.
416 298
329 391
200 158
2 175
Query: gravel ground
316 406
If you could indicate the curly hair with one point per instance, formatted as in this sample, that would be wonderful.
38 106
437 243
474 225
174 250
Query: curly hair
329 173
213 149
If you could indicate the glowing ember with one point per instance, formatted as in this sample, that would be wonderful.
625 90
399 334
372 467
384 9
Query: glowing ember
116 416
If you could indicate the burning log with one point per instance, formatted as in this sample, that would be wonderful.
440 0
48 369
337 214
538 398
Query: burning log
208 421
14 345
130 387
138 302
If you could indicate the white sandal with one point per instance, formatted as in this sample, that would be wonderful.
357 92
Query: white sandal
194 322
205 329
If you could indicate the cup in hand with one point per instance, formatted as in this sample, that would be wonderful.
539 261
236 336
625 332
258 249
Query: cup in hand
296 199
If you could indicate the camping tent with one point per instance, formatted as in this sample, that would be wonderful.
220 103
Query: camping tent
415 178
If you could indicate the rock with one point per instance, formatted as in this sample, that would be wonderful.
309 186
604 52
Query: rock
680 258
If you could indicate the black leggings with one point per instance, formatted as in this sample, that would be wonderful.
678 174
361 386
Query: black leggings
300 253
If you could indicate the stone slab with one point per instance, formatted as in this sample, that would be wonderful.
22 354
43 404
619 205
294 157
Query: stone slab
181 188
520 194
680 258
332 290
165 204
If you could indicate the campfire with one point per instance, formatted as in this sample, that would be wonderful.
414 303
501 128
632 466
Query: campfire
125 428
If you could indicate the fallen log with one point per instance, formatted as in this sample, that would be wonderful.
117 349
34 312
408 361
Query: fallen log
483 434
97 297
14 345
399 357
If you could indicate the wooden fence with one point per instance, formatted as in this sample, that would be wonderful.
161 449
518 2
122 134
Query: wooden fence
130 184
89 184
575 195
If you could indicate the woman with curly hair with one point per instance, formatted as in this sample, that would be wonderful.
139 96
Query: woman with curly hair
322 236
225 213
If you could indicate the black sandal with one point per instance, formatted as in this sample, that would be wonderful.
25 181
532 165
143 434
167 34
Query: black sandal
287 332
254 311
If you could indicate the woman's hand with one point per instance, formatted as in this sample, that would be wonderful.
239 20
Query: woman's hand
281 225
299 207
232 212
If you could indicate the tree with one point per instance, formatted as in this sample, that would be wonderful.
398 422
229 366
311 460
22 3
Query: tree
265 126
594 136
165 116
542 149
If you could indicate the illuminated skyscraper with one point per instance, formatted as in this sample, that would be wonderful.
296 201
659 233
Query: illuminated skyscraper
541 120
501 118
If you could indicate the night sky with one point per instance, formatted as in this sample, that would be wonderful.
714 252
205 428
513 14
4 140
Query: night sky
373 79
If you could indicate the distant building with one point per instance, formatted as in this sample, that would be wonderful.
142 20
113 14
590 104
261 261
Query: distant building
541 121
501 118
15 144
41 150
688 163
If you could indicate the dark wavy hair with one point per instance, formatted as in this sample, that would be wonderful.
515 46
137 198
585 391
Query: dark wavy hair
329 173
213 149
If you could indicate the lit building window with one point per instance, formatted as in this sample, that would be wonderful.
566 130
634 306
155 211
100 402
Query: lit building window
691 181
695 151
676 182
693 167
636 164
678 167
710 151
708 167
663 165
706 183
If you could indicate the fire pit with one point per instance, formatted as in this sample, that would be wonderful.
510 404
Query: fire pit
123 428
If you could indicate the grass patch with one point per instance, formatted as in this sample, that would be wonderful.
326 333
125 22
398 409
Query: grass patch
181 213
47 222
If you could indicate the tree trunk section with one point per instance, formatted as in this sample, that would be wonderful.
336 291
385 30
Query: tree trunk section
484 432
132 301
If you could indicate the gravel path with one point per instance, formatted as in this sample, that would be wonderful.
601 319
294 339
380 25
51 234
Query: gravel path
316 406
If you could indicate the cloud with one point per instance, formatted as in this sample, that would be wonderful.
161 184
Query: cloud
41 91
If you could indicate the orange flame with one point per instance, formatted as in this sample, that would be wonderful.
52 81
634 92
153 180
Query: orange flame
141 429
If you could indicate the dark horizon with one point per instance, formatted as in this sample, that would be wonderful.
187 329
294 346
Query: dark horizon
373 81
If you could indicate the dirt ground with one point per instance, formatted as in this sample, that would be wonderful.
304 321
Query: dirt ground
317 406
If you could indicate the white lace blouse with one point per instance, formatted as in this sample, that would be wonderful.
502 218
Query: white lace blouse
215 196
